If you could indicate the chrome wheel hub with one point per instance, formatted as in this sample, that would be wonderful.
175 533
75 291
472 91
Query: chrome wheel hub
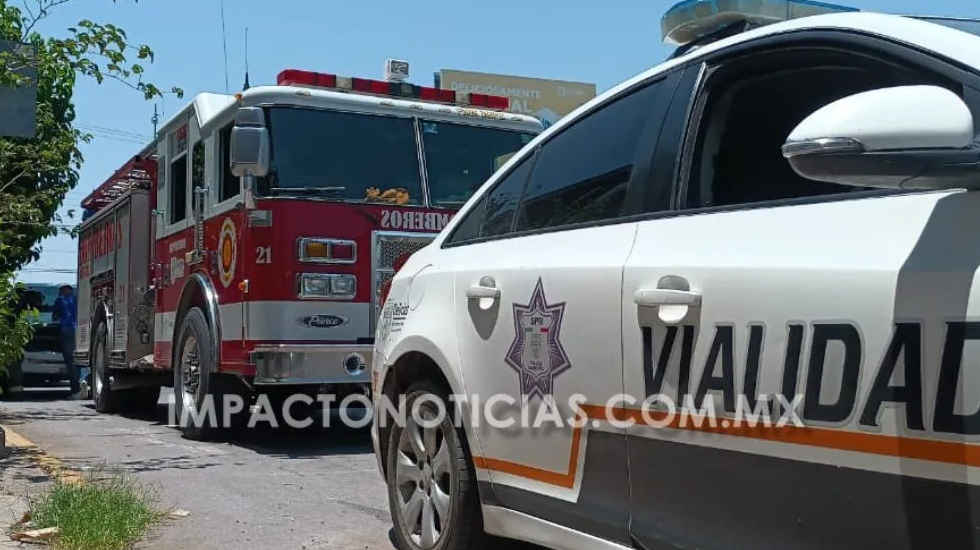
423 479
190 372
98 385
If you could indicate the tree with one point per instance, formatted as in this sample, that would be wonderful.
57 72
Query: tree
36 173
15 325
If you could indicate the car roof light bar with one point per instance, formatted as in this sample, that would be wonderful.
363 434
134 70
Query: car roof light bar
691 21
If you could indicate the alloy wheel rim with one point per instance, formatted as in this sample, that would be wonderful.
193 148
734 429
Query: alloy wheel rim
423 480
190 372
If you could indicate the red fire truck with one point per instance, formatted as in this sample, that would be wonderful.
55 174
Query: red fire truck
245 250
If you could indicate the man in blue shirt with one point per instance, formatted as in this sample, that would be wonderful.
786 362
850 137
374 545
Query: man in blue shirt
65 314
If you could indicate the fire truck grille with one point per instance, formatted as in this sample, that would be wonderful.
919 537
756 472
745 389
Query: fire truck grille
387 249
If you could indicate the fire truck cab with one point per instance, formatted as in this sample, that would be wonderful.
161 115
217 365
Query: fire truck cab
246 249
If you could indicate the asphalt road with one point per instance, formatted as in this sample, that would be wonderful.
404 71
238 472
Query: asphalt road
311 489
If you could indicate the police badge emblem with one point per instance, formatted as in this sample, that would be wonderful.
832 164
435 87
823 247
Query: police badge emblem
536 352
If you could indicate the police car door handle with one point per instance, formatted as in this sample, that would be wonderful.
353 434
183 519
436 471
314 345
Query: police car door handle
652 297
480 291
486 288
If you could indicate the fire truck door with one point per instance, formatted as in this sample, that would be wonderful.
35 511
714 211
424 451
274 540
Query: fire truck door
226 240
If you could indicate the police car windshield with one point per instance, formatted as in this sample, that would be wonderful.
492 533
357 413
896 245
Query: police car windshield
459 158
971 26
342 156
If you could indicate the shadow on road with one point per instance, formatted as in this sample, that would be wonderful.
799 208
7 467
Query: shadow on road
42 393
281 442
14 418
57 396
312 442
22 462
183 462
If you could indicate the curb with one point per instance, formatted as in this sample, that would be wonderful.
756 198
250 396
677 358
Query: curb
51 465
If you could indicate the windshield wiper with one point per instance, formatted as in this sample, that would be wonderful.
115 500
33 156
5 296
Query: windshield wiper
333 189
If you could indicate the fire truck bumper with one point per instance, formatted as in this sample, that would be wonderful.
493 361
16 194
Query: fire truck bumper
293 364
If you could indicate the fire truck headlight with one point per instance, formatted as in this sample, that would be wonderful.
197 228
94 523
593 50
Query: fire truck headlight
343 285
327 286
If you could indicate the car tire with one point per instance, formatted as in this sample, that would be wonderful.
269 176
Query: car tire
5 383
196 379
420 478
106 399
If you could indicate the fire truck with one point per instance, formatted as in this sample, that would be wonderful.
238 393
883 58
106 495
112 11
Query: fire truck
246 250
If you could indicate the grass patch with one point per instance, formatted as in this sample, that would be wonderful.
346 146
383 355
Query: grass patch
104 513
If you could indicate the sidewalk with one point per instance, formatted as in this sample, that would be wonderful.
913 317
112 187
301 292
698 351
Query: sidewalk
20 476
316 488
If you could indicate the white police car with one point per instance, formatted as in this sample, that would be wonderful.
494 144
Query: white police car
776 222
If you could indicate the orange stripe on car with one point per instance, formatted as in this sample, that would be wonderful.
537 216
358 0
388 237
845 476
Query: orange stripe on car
948 452
566 480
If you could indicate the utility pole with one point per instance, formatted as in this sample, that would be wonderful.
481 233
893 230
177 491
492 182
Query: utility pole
155 119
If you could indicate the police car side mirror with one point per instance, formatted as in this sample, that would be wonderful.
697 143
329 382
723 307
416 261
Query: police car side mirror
249 147
907 137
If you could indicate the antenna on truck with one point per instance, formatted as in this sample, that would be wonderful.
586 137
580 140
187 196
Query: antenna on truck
224 43
246 86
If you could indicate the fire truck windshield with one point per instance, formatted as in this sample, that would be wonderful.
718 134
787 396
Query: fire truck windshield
342 156
370 158
459 158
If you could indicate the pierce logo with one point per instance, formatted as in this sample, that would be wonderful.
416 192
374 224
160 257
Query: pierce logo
323 320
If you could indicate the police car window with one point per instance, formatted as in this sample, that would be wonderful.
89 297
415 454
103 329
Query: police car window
581 175
229 182
755 102
494 214
471 225
501 203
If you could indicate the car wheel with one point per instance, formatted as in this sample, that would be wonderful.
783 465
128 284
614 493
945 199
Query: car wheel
432 490
194 378
106 400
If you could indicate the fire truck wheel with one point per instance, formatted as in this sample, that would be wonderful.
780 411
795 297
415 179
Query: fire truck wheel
432 491
105 398
194 379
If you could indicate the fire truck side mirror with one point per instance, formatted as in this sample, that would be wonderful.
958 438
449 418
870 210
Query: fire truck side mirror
249 148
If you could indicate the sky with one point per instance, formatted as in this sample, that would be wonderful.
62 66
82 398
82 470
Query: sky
599 42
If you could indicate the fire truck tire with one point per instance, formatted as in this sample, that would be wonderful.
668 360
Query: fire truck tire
142 399
195 379
106 399
431 476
